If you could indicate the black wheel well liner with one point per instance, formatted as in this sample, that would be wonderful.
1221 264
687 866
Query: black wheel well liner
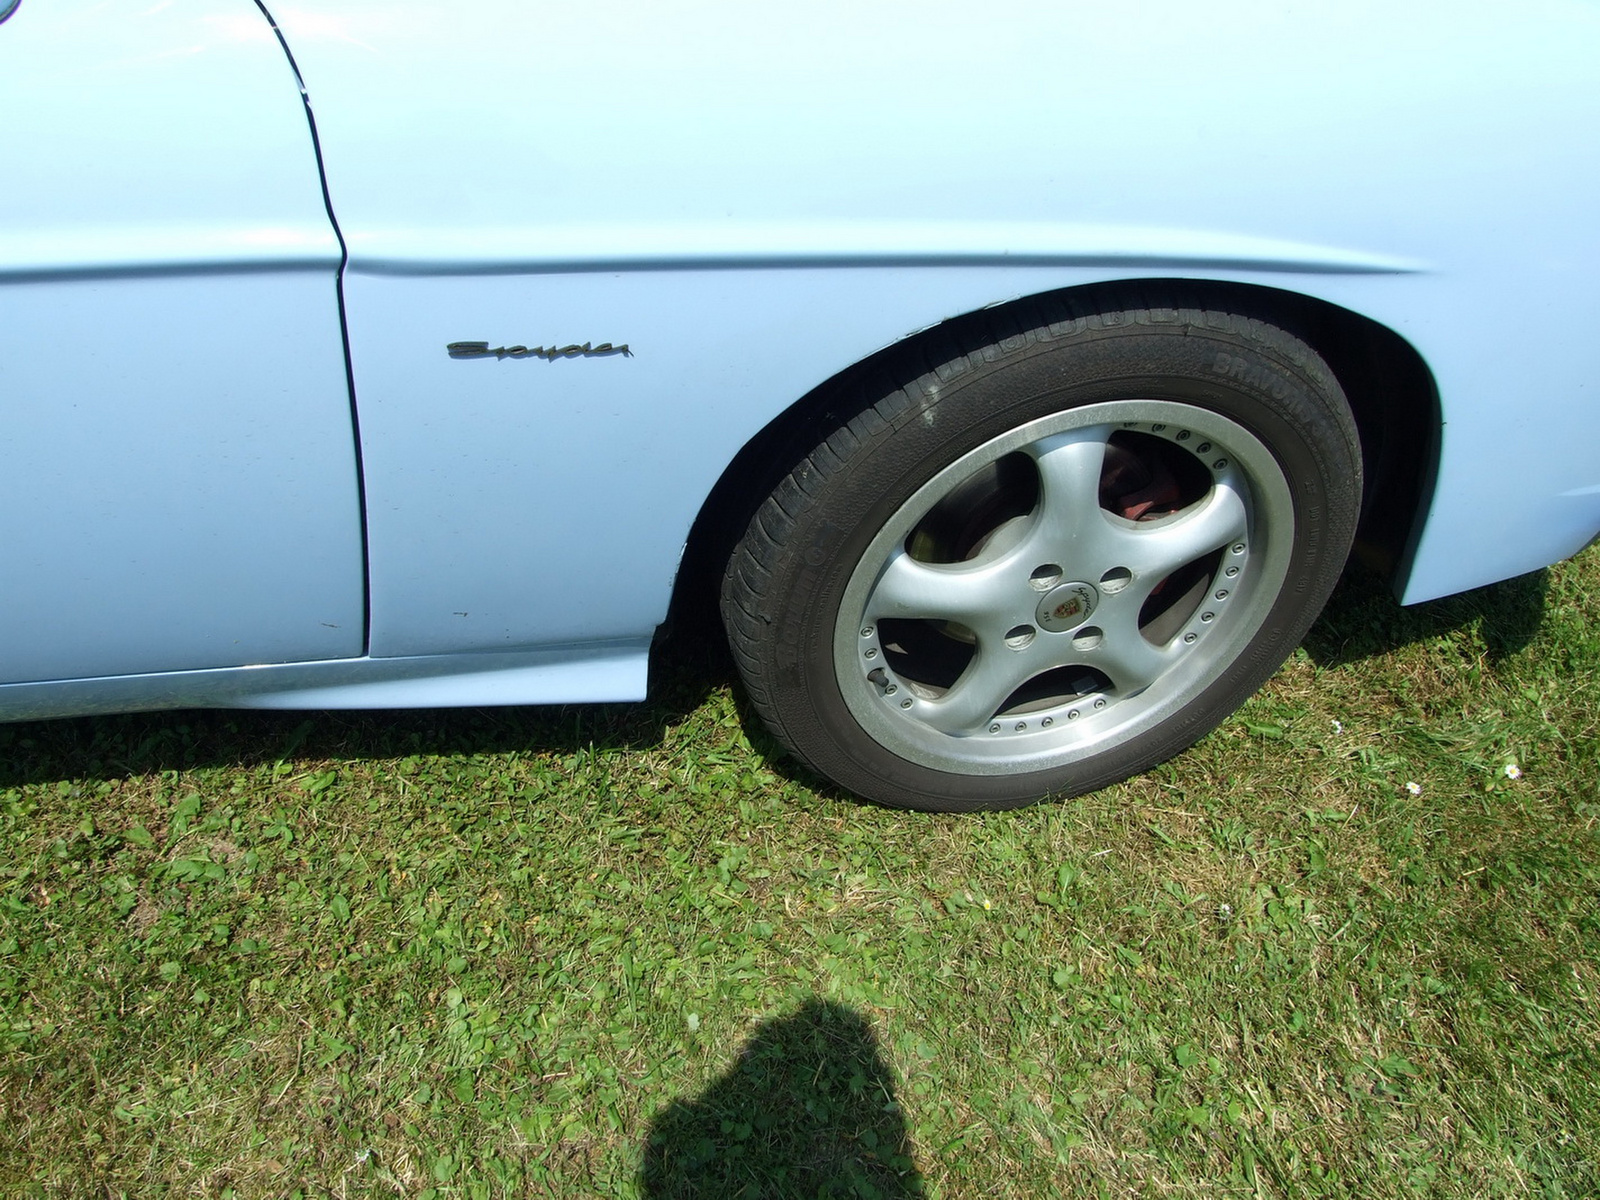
1390 389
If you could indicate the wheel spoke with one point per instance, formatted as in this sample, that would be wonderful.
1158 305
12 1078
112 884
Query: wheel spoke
1154 549
970 594
1069 467
1131 662
984 686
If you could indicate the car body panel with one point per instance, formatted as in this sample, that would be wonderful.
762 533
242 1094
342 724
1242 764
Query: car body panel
161 139
178 484
1341 151
752 202
516 501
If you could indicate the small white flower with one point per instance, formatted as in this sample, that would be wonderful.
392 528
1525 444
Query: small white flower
1338 726
1414 788
1513 771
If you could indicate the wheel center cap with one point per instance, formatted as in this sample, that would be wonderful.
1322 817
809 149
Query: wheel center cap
1066 606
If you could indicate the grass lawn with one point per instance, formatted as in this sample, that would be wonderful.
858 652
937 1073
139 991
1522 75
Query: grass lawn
1345 946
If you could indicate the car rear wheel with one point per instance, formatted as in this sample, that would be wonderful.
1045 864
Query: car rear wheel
1061 553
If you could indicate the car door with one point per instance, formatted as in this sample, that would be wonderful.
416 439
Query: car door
178 474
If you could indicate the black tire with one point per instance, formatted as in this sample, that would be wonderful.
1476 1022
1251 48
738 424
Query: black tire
1109 528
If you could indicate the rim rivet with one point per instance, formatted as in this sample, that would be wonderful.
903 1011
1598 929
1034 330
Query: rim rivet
1238 547
1021 725
866 631
1190 637
890 690
995 728
1202 448
1219 464
1222 593
1073 715
1157 428
1207 616
1048 721
1183 435
872 652
905 704
1100 703
1232 571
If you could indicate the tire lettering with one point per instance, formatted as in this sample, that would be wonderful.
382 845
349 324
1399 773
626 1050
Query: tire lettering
1251 375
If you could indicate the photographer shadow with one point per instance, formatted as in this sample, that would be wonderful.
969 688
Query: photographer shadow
808 1110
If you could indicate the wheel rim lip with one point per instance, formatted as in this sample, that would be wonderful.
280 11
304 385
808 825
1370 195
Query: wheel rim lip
1253 472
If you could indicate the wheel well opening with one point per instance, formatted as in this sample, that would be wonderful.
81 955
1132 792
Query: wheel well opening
1390 390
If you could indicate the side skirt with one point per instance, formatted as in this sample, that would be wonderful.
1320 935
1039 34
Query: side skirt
597 672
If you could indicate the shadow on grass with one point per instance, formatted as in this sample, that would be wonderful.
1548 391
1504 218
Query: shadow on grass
685 671
1363 619
808 1111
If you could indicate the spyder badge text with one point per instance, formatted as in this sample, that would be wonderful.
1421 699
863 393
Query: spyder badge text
549 353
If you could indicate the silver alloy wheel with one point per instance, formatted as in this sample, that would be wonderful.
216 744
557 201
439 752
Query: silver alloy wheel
1040 634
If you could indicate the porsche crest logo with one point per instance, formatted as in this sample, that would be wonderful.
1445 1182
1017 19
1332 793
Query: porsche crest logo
1071 607
1067 606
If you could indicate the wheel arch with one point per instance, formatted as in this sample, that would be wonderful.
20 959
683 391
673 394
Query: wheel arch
1390 389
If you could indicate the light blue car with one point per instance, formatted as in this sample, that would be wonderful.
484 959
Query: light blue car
1022 373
